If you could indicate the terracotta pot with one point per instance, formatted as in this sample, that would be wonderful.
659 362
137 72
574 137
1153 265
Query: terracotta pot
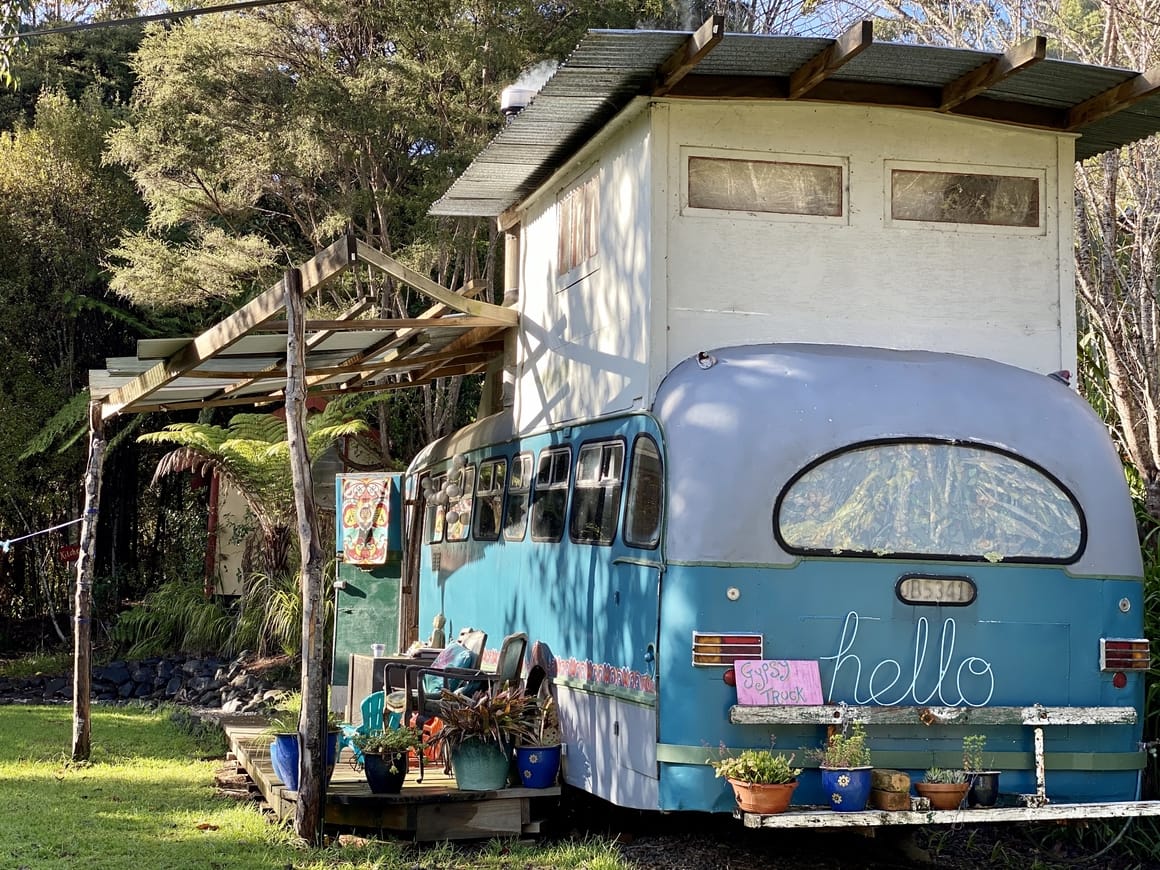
763 798
943 795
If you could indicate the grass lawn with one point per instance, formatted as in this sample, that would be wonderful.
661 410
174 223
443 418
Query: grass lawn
146 801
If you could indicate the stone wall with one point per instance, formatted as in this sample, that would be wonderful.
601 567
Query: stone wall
234 686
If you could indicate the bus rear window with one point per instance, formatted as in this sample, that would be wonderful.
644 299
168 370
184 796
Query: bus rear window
928 499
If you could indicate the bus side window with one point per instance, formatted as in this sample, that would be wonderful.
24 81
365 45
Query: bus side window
459 509
435 513
551 494
596 500
489 500
644 496
516 503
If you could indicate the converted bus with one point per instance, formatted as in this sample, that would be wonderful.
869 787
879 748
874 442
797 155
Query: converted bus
790 383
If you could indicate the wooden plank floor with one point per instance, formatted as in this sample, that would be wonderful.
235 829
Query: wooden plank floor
433 809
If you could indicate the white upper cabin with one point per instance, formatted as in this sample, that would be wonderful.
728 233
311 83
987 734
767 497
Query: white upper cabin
686 225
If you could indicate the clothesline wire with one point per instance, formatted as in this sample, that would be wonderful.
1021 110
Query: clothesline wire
5 544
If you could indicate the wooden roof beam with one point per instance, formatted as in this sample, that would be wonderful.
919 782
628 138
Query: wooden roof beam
824 64
1014 60
453 300
1117 99
682 61
466 321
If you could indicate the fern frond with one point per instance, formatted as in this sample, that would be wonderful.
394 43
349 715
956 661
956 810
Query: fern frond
71 422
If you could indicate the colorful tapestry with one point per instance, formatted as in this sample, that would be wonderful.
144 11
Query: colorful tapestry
365 513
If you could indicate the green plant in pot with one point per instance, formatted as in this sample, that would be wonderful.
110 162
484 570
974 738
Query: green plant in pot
479 733
282 729
984 781
385 757
945 789
763 781
538 760
846 770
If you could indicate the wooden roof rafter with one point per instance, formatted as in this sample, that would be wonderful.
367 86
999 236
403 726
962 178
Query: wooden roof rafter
682 61
827 62
234 362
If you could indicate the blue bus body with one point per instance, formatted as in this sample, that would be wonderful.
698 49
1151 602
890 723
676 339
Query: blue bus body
795 485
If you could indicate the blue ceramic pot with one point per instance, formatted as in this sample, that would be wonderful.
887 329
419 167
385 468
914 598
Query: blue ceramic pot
538 765
847 788
284 757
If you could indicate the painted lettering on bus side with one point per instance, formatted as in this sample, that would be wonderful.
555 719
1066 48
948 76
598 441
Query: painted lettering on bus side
971 683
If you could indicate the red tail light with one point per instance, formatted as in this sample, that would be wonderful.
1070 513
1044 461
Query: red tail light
724 649
1122 654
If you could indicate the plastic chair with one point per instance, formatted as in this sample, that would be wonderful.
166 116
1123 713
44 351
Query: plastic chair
468 681
372 720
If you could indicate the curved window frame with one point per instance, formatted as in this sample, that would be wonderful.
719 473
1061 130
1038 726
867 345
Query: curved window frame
631 485
951 557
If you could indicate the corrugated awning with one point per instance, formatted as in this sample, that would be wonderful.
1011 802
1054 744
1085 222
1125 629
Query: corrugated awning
1106 107
242 359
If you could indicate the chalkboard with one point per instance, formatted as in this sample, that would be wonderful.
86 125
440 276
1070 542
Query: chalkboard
777 683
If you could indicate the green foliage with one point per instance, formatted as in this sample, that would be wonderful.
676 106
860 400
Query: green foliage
761 766
505 718
946 777
973 745
176 617
844 750
269 618
287 712
387 742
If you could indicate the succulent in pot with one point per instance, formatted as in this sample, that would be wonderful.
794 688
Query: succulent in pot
846 771
945 789
538 757
763 780
385 757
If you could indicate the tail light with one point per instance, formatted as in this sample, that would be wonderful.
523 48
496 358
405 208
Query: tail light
724 649
1121 654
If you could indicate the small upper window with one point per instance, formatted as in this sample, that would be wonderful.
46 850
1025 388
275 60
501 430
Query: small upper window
596 502
551 497
489 499
769 186
435 512
644 497
459 506
579 224
518 494
929 499
964 198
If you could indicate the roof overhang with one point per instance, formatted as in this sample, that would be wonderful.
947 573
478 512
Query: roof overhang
1105 107
242 359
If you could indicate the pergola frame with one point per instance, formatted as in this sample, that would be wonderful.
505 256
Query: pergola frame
457 335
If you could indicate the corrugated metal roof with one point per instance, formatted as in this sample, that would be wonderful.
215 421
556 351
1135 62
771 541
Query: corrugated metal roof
611 67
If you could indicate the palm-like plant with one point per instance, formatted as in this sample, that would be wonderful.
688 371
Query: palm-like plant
252 455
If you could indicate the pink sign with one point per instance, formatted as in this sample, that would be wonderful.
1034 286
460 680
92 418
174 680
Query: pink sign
777 682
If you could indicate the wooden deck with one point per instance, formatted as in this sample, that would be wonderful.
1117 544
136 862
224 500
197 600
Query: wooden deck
432 810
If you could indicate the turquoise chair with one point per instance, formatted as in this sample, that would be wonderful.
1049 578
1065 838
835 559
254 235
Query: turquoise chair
373 706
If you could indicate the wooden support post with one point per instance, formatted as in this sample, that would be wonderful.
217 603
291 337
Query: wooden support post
82 610
309 814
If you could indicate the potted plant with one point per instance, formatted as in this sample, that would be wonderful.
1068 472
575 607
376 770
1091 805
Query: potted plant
538 760
845 763
478 735
384 757
282 730
984 782
945 789
762 781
